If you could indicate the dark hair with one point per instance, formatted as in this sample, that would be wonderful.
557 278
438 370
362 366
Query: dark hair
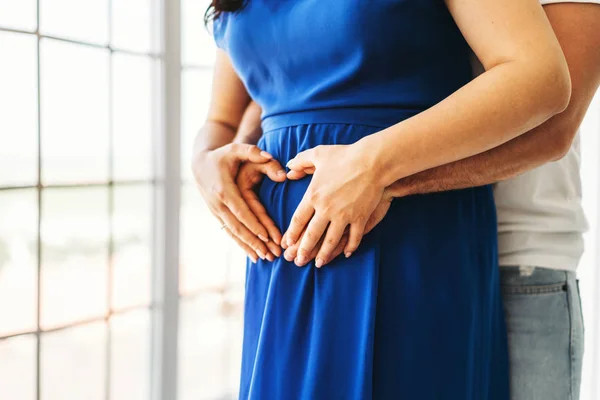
216 7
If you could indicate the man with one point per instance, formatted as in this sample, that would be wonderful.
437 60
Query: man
540 217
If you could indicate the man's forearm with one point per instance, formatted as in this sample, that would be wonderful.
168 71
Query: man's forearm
249 131
534 148
575 26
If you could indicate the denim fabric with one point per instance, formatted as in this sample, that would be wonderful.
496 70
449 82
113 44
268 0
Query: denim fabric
545 332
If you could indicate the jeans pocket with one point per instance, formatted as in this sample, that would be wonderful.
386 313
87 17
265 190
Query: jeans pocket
580 305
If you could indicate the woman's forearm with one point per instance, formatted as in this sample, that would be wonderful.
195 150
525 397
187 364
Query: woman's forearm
536 147
549 141
506 101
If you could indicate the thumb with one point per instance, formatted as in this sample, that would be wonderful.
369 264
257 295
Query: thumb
250 152
303 161
273 170
378 214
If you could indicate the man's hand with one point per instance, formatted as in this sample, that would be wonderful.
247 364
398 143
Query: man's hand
215 172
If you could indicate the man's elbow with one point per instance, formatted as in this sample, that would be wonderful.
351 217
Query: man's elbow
557 86
562 138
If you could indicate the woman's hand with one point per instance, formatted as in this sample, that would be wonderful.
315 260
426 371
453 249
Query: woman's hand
215 172
375 218
248 177
344 192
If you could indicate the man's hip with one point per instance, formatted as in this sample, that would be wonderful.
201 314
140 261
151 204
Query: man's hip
545 332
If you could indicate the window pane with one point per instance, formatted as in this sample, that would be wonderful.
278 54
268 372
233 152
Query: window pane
75 19
73 363
18 262
132 224
74 255
21 14
132 113
198 46
210 260
132 24
74 113
17 368
209 348
195 92
18 108
130 356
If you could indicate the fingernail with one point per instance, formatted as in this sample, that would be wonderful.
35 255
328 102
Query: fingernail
290 242
319 263
265 154
254 259
348 254
300 260
277 252
260 254
263 238
270 257
281 173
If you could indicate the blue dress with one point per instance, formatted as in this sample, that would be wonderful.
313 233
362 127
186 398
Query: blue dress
416 312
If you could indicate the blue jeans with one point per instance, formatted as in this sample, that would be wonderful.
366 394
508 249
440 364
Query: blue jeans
545 333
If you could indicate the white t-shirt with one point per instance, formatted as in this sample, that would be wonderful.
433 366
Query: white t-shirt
540 214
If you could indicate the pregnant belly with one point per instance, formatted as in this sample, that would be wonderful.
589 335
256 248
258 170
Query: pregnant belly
456 221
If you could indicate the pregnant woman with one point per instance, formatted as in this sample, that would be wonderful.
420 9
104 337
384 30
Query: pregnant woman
355 95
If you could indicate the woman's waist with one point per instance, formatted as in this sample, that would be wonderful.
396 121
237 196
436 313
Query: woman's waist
380 117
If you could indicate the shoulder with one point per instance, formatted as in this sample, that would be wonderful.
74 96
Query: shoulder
219 28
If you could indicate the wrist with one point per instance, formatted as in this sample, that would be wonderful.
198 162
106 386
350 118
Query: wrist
376 155
401 188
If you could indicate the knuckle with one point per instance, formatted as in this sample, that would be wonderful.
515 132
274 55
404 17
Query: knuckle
220 209
302 252
330 241
236 231
251 149
296 220
219 192
314 196
344 215
310 235
235 147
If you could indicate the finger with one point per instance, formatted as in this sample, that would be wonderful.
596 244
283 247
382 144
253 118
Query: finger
300 219
234 200
273 170
339 249
291 252
314 231
377 215
302 161
250 152
261 213
295 175
274 249
249 251
356 233
334 234
240 231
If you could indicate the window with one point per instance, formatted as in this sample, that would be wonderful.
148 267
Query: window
115 281
78 89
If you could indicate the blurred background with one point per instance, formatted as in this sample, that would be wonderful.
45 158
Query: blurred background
115 281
